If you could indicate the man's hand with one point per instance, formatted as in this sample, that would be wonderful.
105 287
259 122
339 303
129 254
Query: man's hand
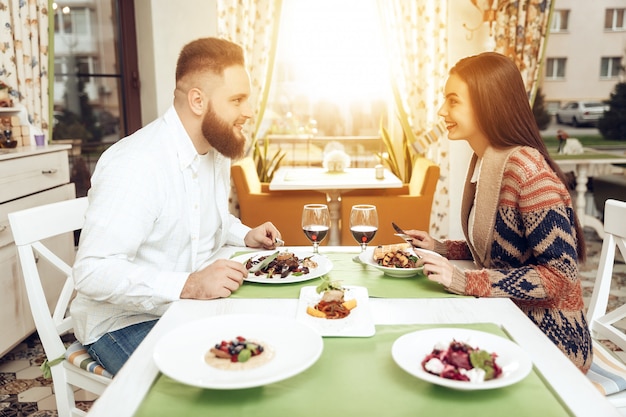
217 280
263 236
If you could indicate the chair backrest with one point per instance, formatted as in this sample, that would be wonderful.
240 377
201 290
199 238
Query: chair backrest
601 322
245 177
30 227
410 205
424 177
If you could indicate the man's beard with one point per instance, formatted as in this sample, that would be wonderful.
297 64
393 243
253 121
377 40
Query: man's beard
222 136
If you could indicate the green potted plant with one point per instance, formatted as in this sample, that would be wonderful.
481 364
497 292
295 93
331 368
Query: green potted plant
266 164
401 168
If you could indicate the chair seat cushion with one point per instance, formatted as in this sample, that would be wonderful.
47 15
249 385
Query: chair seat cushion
607 373
77 355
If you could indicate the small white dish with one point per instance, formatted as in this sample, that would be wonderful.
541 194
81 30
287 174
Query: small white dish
359 323
409 350
367 257
180 353
324 266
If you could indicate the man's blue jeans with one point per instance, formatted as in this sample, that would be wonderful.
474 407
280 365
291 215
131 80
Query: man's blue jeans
114 348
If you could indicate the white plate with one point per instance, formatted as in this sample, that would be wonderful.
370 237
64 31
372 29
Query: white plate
324 266
359 323
180 353
367 257
410 349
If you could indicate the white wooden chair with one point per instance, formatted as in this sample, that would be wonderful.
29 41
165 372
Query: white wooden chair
30 228
601 323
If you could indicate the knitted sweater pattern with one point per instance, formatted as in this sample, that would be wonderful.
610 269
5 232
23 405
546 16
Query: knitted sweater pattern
525 243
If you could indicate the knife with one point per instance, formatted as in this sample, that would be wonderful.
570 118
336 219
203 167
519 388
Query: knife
265 262
398 229
400 233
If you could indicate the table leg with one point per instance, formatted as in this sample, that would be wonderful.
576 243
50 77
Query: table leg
581 202
334 207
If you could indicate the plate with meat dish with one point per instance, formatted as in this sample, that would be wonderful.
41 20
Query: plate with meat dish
396 260
235 351
462 359
287 267
336 310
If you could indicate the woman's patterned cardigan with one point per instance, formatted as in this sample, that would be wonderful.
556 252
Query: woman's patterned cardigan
524 244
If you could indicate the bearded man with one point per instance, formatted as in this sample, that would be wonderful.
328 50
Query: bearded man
158 209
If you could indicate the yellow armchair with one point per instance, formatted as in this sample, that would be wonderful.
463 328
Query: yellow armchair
257 204
409 206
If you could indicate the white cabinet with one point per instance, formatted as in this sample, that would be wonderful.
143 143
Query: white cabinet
29 177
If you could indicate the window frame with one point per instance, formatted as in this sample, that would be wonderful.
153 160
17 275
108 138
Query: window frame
615 19
560 21
613 67
554 66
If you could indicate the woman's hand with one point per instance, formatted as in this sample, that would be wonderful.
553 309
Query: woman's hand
436 267
421 239
263 236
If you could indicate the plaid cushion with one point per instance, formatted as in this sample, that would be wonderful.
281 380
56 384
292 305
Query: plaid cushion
607 373
77 355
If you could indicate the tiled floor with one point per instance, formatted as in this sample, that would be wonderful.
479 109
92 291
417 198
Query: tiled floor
25 393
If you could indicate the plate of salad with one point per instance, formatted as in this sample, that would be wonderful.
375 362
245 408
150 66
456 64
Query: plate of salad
462 359
284 266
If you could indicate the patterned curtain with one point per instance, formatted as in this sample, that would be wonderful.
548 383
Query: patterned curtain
521 30
24 56
253 24
416 39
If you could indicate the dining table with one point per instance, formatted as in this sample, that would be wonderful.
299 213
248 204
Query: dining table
357 375
586 165
333 184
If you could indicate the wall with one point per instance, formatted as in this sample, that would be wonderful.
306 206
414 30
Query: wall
584 43
163 28
461 43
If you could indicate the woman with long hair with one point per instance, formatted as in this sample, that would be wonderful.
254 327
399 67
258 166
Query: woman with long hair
517 215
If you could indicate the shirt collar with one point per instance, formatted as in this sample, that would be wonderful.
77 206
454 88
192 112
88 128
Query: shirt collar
182 142
476 173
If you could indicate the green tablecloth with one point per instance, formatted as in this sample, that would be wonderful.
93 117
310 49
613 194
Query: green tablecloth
355 377
351 273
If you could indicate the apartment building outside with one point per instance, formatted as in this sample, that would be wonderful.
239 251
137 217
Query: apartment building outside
585 51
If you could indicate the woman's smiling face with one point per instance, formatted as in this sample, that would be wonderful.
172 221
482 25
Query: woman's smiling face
458 113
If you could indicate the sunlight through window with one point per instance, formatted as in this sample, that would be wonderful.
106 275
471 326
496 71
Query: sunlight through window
331 66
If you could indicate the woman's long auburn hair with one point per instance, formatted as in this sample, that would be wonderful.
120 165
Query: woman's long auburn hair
503 111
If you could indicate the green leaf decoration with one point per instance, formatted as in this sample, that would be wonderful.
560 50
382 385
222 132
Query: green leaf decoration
46 365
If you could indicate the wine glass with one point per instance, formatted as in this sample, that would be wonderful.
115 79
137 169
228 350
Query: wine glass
363 224
315 223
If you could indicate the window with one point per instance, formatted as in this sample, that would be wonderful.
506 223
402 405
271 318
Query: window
555 68
610 67
614 19
95 90
560 20
72 20
331 75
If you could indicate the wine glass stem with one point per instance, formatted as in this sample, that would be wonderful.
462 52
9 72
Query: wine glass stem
363 247
315 247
